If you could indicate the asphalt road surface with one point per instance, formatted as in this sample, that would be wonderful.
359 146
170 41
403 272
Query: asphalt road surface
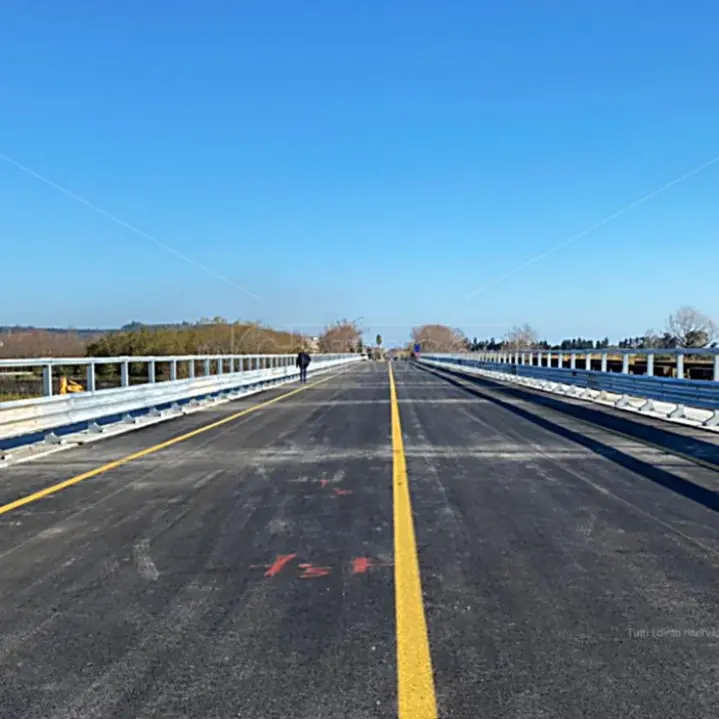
364 547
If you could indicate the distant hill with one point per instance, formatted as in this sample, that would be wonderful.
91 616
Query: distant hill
80 332
92 332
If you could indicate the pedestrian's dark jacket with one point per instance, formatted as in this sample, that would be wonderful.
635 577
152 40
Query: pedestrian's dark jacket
303 359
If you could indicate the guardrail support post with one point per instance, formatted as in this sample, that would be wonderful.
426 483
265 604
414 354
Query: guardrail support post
573 360
716 368
220 365
605 357
91 377
560 360
191 369
173 370
650 365
680 366
125 374
625 364
47 380
207 367
151 371
588 361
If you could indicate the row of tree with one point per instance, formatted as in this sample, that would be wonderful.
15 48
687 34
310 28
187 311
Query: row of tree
578 343
217 336
687 327
208 336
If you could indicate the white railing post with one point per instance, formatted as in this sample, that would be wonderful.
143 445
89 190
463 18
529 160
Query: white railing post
680 366
91 377
47 380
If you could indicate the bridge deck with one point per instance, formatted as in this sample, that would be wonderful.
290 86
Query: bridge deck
248 570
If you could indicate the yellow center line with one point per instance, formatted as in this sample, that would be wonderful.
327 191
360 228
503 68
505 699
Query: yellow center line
22 501
415 678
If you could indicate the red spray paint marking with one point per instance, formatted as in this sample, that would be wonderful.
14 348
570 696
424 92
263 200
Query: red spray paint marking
279 564
324 483
362 565
342 492
312 572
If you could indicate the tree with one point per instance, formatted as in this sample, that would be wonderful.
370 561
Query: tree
521 338
438 338
691 328
341 336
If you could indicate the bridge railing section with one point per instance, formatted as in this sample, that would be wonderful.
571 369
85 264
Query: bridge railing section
125 389
672 397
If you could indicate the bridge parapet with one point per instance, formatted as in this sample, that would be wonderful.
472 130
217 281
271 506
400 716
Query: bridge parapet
693 401
140 396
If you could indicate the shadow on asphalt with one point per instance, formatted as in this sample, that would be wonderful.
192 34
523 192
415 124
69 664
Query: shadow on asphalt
686 445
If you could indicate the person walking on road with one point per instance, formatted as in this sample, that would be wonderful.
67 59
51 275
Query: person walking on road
303 362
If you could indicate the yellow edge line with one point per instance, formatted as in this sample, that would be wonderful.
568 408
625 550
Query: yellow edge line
149 450
416 697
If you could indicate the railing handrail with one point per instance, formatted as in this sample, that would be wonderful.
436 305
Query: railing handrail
528 357
606 350
119 359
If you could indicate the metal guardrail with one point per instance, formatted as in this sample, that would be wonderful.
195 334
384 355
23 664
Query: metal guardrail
30 420
571 359
675 394
222 364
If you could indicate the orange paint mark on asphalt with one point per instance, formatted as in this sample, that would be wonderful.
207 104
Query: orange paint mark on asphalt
312 572
362 565
279 564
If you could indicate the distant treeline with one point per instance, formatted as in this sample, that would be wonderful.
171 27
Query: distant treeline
207 336
578 343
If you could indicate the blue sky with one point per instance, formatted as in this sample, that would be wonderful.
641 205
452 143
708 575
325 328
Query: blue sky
380 160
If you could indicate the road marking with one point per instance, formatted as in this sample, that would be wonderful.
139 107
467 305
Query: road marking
362 565
416 697
150 450
279 564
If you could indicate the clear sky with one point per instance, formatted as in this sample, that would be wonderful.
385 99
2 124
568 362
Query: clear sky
380 160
